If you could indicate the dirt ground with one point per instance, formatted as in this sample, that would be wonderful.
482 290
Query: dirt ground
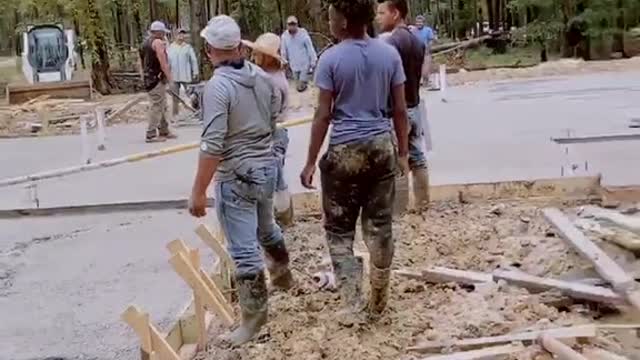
303 323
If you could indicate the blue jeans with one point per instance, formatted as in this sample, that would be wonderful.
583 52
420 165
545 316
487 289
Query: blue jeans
280 145
417 159
245 212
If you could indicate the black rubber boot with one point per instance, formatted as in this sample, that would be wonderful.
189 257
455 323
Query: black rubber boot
349 276
379 280
277 259
253 298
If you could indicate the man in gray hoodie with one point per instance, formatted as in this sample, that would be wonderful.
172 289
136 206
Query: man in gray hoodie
240 108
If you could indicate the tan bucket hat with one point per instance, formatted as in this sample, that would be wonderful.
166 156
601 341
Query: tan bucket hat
268 44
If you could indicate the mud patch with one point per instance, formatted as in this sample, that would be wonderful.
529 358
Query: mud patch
304 323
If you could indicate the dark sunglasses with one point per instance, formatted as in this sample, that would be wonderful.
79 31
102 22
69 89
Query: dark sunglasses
292 23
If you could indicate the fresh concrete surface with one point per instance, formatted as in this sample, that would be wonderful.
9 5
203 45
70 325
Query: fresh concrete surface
487 132
65 280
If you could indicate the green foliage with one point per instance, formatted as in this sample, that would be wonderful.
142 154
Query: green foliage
547 24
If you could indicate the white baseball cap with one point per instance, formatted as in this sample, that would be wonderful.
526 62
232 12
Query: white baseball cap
158 26
222 32
292 19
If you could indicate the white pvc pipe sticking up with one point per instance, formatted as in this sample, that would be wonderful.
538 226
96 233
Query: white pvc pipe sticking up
443 82
84 138
101 134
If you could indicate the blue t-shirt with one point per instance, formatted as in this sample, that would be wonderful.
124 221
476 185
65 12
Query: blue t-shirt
425 34
361 74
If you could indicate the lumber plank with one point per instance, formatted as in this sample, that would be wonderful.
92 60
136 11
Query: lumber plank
560 350
560 333
626 222
20 93
572 289
486 353
138 321
604 265
443 275
205 234
201 312
183 267
126 107
211 285
178 246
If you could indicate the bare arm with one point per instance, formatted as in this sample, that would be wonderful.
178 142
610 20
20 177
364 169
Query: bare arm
207 166
400 121
161 52
320 125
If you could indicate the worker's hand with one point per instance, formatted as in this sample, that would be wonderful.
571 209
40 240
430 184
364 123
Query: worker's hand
403 161
198 204
306 177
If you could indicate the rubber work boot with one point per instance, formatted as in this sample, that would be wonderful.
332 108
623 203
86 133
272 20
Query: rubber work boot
253 297
283 204
401 202
421 187
379 280
277 259
349 275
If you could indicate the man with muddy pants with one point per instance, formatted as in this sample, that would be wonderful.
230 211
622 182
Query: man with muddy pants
359 167
390 17
240 107
156 75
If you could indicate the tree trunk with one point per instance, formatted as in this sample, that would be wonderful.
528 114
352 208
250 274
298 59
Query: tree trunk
491 13
198 22
97 44
474 18
153 11
177 22
137 22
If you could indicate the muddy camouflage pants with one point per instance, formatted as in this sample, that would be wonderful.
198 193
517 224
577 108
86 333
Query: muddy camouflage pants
359 177
158 124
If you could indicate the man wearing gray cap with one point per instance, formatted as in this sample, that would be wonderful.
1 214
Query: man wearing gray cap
240 107
297 49
156 75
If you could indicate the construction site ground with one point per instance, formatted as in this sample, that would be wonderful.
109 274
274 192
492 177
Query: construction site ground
65 280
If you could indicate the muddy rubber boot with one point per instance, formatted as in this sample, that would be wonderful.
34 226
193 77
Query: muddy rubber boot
421 188
277 259
253 297
401 202
283 204
349 276
379 280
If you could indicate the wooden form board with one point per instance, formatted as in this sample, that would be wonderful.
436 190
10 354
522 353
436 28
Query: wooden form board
226 265
572 289
19 93
486 353
152 341
183 266
560 350
622 282
604 265
560 333
565 187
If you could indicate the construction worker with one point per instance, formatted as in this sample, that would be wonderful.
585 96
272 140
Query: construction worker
184 65
359 167
297 49
266 54
156 76
390 18
426 34
240 108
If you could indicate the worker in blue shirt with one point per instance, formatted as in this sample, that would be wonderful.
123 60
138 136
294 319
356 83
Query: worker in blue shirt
427 36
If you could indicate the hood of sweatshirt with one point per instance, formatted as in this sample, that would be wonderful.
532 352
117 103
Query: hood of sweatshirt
243 73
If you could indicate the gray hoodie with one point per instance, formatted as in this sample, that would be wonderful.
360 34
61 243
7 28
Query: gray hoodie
240 108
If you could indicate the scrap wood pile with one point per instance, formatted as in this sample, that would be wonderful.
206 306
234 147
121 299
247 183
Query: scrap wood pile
46 116
470 281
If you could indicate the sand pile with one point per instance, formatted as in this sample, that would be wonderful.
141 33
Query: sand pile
303 323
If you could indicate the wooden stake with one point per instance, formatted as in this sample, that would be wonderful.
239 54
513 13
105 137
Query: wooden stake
575 290
151 339
566 332
606 267
183 267
487 353
560 350
207 236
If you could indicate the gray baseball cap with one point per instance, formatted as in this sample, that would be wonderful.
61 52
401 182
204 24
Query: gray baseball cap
222 32
158 26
